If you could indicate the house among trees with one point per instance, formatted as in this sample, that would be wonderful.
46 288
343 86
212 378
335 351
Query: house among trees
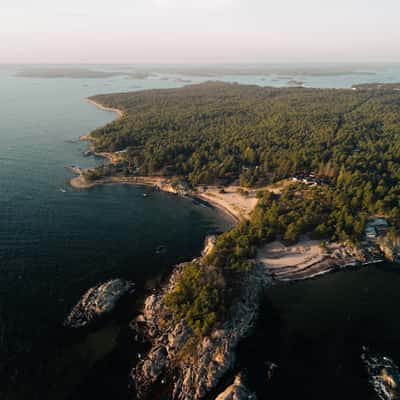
370 232
121 151
309 179
375 228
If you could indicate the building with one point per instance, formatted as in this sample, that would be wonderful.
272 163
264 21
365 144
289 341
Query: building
370 233
378 222
376 227
309 179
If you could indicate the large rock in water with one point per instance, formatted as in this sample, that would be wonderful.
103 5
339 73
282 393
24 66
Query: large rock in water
97 301
237 391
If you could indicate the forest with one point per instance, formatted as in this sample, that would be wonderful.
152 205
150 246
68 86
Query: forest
218 133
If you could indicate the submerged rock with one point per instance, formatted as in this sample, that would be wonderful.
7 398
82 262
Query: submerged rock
97 301
237 391
384 375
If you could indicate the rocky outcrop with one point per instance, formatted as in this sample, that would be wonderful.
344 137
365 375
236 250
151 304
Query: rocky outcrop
97 301
384 375
237 391
209 245
192 366
390 246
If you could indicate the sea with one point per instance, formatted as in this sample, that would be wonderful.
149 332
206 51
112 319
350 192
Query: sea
56 242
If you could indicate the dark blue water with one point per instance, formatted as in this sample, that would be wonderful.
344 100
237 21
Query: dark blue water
56 242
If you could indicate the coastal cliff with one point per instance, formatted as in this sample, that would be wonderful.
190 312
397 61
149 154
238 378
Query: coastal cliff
188 365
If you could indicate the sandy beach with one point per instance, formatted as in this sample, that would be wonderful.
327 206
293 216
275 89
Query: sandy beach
160 183
230 199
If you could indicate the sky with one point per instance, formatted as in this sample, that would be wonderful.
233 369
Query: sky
199 31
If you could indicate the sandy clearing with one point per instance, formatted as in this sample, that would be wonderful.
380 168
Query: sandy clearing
305 259
236 203
276 255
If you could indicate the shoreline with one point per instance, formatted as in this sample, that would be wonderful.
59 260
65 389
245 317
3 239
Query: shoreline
158 183
118 111
235 218
163 184
336 268
88 138
278 275
306 259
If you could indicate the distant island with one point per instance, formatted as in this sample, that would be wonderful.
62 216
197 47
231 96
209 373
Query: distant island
63 72
294 83
80 73
311 175
214 71
377 86
179 72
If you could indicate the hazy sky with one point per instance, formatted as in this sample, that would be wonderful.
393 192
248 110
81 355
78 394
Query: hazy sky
207 31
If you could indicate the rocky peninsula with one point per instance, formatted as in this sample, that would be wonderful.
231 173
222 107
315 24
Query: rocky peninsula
188 365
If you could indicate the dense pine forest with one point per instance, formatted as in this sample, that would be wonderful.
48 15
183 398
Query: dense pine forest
219 133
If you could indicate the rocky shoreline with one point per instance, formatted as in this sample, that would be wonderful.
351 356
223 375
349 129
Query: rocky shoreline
384 375
187 366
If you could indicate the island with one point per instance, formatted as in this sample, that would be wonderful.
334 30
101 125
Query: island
213 71
80 73
311 177
377 86
64 72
